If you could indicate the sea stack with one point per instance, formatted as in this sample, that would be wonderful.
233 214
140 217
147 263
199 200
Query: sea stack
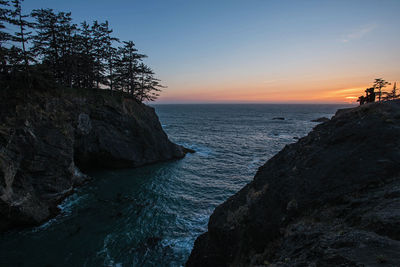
330 199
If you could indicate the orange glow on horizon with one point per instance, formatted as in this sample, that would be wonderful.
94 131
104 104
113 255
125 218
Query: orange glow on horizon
256 94
307 88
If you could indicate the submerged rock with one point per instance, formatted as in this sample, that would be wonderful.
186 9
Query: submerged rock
331 199
47 138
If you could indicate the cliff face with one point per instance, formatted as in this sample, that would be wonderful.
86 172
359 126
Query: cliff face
45 137
331 199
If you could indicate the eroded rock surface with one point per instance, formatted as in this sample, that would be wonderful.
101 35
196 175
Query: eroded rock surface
47 138
331 199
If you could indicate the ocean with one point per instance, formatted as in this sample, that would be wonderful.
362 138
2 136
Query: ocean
151 216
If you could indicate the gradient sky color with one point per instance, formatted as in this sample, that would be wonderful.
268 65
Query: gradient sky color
255 50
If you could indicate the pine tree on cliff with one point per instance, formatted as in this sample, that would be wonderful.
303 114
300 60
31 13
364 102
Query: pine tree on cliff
392 94
22 36
85 72
109 54
4 36
127 67
11 57
143 73
75 58
379 84
100 33
71 56
4 13
112 61
54 43
148 85
45 41
65 38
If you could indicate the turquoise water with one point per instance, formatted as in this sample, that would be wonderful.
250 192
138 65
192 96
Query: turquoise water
151 216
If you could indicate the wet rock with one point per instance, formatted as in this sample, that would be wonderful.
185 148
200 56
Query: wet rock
188 150
331 199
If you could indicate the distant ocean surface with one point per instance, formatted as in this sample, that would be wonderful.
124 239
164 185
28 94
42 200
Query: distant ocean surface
151 216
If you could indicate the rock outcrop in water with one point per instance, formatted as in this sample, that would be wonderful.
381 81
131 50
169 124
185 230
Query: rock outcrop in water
46 138
331 199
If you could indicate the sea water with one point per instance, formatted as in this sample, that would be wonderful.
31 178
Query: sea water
151 216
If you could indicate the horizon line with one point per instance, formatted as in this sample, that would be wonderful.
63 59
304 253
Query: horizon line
249 103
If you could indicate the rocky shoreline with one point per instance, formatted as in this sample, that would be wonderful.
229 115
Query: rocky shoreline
330 199
47 138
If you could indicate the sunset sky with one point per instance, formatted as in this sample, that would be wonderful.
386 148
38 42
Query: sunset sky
255 50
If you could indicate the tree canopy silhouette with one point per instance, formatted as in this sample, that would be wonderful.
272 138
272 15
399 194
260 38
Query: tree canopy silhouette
378 84
48 44
392 94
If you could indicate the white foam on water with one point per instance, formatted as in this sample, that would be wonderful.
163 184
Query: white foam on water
70 203
66 207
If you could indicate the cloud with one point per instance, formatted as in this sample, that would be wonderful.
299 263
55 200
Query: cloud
359 33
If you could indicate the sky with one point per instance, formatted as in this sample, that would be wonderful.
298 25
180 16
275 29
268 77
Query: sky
261 51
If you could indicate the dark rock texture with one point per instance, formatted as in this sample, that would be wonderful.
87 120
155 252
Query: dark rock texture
46 138
331 199
322 119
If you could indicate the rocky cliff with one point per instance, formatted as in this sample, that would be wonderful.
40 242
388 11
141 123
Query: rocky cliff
46 138
331 199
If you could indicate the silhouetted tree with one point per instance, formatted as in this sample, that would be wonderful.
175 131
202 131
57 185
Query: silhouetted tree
148 85
102 41
379 84
22 36
112 54
392 94
45 41
4 36
109 54
4 12
370 95
65 38
361 99
71 56
85 66
126 69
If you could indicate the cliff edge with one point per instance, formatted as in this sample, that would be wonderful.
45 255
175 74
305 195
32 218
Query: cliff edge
331 199
46 138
